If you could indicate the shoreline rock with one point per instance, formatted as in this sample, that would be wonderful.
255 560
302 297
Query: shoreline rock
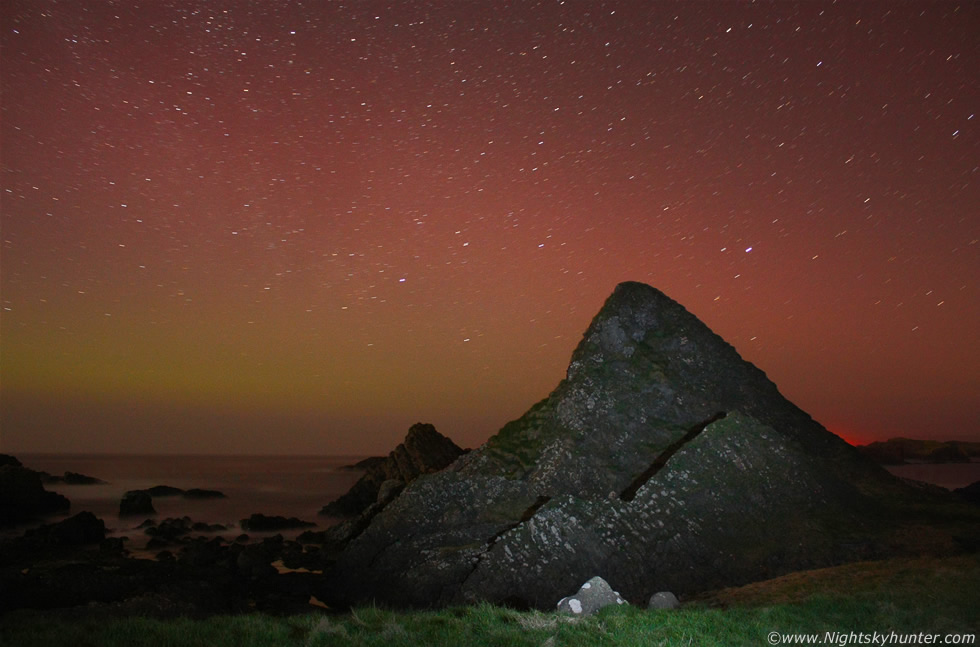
136 502
424 451
23 497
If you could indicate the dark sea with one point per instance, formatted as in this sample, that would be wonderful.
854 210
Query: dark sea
288 486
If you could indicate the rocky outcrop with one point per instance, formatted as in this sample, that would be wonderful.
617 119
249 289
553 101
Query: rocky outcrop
70 478
136 502
663 461
78 530
23 497
424 451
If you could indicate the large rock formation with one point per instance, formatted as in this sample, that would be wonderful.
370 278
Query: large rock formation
424 450
662 462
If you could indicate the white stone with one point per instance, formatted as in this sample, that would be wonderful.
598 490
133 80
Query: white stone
575 605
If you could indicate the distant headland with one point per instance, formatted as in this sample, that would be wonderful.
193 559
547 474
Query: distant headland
901 451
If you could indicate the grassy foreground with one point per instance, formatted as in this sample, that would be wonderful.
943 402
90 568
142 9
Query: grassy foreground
939 596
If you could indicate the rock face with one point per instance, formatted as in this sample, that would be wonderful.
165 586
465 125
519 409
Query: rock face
424 450
662 462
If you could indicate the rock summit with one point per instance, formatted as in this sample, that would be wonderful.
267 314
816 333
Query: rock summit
663 461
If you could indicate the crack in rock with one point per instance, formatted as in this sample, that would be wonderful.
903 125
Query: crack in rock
630 492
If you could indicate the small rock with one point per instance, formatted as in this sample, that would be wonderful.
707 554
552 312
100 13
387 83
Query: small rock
663 600
594 595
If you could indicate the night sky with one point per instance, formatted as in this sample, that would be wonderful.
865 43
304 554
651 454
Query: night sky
299 227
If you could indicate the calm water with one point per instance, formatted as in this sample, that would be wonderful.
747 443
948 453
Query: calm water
290 486
948 475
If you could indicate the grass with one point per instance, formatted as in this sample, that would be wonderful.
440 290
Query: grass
905 596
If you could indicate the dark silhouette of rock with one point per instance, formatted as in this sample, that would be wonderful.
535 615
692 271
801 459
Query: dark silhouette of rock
164 490
423 451
73 478
136 502
970 492
23 497
948 453
52 540
261 522
198 493
366 464
78 530
168 529
7 459
663 461
896 451
70 478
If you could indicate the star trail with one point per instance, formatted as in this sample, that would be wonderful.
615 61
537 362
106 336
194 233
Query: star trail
300 227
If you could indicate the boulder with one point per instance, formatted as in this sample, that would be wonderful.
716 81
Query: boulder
663 457
23 497
423 451
78 530
136 502
592 596
168 529
663 600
